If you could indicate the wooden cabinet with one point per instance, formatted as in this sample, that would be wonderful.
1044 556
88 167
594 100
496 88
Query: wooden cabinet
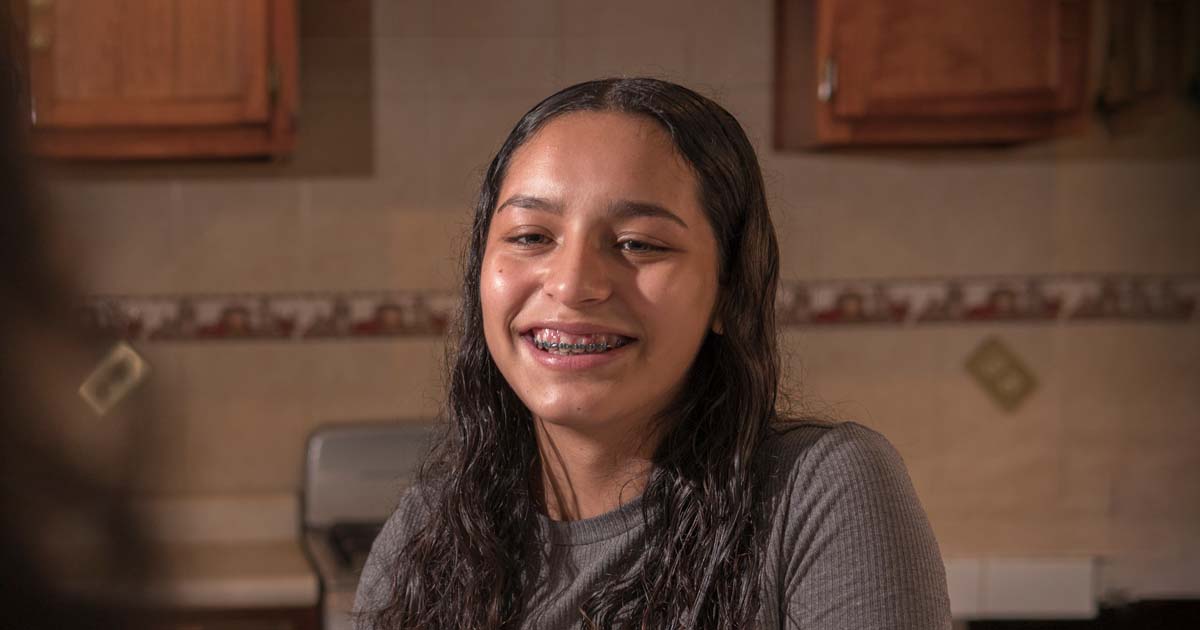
1150 58
161 78
871 72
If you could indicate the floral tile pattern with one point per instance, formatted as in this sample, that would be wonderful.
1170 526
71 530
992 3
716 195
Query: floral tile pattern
895 302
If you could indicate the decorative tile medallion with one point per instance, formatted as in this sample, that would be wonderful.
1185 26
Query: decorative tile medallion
1001 374
818 304
121 370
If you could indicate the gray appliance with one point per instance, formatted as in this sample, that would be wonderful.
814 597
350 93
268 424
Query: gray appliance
353 475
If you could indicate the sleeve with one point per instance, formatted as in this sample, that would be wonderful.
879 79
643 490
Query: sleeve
375 583
858 551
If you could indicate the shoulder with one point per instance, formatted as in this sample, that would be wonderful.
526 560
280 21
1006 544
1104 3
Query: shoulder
836 453
819 473
850 539
374 585
411 511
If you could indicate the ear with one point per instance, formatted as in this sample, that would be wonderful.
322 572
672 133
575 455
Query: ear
718 326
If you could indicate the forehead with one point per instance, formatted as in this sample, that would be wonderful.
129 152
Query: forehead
602 153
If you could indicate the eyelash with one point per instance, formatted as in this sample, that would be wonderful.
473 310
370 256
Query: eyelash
520 239
646 248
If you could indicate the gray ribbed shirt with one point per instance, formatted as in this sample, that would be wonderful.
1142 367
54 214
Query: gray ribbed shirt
849 545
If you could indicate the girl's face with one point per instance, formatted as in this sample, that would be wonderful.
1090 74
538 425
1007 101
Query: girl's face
599 277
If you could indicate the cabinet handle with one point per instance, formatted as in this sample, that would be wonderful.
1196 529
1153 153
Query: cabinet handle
828 84
39 41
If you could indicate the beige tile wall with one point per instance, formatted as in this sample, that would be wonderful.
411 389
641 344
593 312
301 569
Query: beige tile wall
403 103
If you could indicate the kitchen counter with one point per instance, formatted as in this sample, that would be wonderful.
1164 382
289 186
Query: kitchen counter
257 574
229 552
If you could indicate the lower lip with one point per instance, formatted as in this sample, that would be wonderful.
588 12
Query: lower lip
574 361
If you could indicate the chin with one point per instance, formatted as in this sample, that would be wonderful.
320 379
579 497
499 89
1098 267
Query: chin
573 416
599 421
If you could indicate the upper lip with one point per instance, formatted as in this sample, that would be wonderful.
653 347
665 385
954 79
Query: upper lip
576 328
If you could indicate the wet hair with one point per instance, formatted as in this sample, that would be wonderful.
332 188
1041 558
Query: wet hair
468 564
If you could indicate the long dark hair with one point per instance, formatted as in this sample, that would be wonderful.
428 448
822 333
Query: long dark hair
467 565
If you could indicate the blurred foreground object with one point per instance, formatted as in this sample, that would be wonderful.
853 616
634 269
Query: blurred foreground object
149 79
71 553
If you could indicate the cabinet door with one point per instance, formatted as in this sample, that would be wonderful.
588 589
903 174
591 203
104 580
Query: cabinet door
871 72
137 63
930 58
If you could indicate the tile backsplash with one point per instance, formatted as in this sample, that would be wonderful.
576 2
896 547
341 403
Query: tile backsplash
325 283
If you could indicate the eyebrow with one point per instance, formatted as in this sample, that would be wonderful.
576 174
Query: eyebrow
530 202
622 208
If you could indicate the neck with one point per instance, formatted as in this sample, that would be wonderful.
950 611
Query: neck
586 475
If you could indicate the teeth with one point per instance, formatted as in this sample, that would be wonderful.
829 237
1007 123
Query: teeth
557 342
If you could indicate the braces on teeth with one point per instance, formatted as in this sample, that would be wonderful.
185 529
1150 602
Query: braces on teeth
576 347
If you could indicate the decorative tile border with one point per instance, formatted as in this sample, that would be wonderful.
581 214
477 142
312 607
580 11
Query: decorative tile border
827 303
920 302
267 316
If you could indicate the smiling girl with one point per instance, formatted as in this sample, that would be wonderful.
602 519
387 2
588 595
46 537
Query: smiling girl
615 459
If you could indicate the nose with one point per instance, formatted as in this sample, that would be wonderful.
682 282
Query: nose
577 275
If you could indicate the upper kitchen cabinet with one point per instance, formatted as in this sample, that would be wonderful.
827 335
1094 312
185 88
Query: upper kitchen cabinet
904 72
130 79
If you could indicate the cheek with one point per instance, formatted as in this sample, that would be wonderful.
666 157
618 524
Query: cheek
492 290
681 300
499 293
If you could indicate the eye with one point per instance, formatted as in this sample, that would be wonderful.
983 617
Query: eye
532 239
635 246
